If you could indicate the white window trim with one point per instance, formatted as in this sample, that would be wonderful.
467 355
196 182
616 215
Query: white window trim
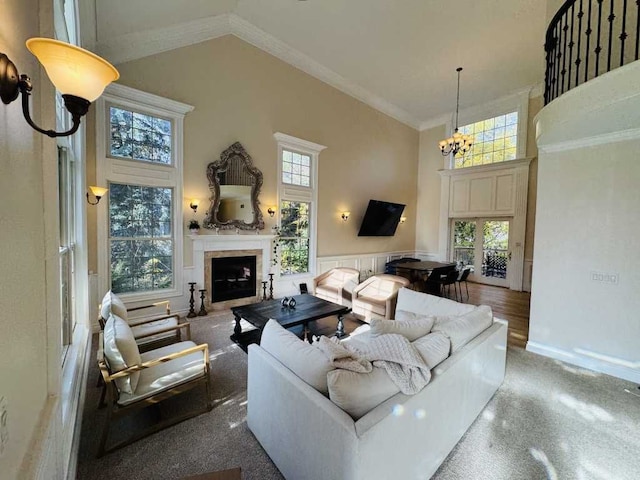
124 170
516 102
300 194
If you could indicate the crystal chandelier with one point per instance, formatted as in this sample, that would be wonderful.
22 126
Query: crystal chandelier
458 143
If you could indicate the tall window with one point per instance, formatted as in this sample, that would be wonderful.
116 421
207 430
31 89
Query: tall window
141 150
66 207
298 167
494 140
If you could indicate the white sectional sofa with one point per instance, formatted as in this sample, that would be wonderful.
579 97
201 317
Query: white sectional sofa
309 437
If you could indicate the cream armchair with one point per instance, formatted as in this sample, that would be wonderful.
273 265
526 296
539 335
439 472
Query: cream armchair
336 285
149 331
134 380
376 297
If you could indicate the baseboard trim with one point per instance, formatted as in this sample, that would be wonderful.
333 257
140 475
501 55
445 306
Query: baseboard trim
593 361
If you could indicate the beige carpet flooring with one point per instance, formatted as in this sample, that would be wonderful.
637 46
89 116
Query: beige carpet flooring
549 420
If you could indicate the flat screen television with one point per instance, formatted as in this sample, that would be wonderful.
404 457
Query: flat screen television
381 219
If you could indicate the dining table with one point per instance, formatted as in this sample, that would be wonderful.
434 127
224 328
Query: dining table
417 272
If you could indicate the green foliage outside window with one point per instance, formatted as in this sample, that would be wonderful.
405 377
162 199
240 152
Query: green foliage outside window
139 137
294 238
494 140
140 238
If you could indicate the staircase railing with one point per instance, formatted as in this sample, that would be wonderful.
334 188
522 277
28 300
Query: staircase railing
587 38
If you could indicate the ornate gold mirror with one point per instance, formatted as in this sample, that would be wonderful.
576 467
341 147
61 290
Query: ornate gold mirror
235 186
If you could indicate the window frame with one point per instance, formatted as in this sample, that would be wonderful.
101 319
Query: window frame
143 173
517 102
299 193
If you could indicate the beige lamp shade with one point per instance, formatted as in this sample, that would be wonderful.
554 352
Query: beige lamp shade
73 70
98 191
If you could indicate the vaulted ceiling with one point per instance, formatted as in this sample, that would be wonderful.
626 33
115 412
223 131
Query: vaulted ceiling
397 55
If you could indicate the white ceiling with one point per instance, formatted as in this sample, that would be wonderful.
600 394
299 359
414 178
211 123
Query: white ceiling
398 55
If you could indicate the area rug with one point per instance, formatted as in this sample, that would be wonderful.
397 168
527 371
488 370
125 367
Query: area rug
549 420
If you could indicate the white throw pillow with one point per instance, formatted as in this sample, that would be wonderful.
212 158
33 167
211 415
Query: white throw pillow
412 329
434 348
302 358
111 303
122 352
358 393
463 328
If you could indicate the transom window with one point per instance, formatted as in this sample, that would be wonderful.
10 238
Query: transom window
138 136
494 140
296 168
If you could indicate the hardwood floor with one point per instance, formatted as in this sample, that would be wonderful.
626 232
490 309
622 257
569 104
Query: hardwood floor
506 304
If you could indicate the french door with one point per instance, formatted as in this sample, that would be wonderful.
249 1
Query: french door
482 243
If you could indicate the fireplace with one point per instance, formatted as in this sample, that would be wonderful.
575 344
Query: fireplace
233 278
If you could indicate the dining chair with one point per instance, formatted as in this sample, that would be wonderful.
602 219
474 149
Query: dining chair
464 274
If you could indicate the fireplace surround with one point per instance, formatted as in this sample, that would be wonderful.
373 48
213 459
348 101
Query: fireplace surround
208 247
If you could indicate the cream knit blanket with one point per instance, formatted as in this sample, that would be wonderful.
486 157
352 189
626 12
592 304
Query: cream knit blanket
402 362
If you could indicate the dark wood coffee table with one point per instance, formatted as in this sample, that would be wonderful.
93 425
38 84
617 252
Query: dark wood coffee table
308 308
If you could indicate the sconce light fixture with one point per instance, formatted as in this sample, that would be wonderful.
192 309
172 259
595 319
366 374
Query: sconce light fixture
403 219
345 216
78 74
271 211
97 192
194 204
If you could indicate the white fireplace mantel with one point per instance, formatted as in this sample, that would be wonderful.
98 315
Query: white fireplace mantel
216 243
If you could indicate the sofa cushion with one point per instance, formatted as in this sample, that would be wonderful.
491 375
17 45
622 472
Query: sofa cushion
434 348
303 359
425 304
412 330
461 329
111 303
357 393
122 352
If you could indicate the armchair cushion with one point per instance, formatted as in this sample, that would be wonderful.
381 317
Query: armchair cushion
122 352
166 375
376 296
150 327
111 303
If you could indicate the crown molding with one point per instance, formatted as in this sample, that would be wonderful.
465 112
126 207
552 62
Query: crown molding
134 46
445 120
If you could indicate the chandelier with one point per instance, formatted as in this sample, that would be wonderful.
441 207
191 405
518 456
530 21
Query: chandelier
458 143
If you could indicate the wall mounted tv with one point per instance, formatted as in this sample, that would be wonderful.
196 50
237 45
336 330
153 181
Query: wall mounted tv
381 219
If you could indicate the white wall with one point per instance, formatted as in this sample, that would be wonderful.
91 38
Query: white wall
25 158
587 222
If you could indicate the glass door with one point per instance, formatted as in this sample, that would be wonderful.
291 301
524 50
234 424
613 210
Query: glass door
484 245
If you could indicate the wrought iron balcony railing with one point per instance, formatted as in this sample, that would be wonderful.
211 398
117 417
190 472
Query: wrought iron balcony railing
587 38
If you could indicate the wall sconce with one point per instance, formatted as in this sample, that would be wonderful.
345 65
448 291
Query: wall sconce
194 204
345 216
78 74
271 211
97 192
403 219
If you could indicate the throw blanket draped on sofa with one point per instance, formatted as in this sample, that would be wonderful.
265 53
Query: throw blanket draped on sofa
393 352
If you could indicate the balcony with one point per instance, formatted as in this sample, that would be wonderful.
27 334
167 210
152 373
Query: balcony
587 38
494 260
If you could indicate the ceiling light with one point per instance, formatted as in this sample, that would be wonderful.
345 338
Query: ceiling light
458 143
79 75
